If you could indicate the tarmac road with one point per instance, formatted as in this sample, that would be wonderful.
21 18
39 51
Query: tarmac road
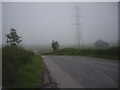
82 72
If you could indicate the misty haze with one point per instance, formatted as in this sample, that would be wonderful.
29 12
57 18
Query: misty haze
40 23
60 45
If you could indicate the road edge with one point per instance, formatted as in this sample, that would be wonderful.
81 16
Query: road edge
49 81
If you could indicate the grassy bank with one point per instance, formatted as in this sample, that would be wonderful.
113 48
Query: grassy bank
21 68
0 66
30 75
108 53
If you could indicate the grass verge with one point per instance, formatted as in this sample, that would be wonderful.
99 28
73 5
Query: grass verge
108 53
30 75
21 68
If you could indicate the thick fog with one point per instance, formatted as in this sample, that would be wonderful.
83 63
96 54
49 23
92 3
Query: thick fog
0 23
0 45
41 22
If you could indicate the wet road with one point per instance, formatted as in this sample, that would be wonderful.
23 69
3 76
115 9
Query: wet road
82 72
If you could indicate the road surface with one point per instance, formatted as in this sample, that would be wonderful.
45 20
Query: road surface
82 72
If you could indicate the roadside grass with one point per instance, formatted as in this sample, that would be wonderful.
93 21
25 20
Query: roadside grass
0 66
108 53
30 75
21 68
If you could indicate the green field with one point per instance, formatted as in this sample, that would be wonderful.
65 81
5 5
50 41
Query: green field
21 68
108 53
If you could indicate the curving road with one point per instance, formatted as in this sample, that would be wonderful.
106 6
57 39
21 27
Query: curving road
82 72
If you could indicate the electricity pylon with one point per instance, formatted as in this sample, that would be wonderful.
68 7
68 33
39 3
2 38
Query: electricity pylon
78 42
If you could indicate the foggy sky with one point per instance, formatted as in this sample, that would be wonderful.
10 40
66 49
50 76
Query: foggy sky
40 23
0 23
